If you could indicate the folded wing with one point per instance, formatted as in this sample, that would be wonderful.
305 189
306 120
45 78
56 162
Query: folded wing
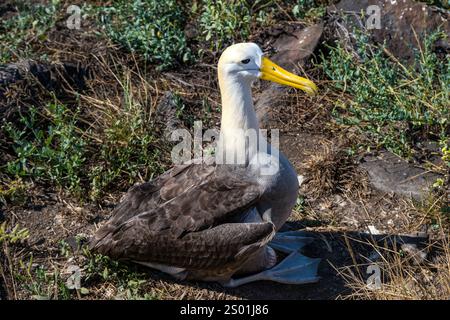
184 218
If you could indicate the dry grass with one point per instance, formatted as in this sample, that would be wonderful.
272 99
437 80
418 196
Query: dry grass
401 276
413 269
332 169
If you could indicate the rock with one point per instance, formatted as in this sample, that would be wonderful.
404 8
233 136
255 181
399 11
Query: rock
292 50
72 242
296 48
373 230
401 21
418 256
300 179
29 77
49 75
9 73
389 173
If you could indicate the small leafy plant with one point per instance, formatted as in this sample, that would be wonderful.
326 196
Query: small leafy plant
48 151
31 22
13 191
393 105
307 9
14 235
223 22
128 281
150 27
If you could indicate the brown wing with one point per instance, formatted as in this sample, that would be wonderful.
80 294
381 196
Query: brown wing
180 219
150 195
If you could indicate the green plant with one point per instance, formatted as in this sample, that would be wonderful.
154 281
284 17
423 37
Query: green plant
439 3
14 235
39 282
223 22
445 150
299 204
65 249
13 190
31 22
393 105
302 6
49 146
127 280
308 9
129 148
49 151
127 151
42 285
149 27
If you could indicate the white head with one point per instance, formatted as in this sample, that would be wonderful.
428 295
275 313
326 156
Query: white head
239 65
246 62
242 60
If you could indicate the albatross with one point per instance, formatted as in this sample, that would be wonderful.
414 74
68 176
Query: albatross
216 221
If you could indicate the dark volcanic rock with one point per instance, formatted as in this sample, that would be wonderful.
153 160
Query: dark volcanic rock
401 21
389 173
49 75
24 82
293 49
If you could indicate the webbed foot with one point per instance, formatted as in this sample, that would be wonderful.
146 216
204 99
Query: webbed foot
294 269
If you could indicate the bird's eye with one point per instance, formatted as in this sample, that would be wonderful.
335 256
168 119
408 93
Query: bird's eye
245 61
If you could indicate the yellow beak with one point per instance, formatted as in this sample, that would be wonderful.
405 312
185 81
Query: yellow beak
272 72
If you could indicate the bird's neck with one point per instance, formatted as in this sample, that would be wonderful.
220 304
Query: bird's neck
239 130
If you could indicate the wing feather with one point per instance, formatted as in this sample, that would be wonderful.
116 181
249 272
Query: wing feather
182 219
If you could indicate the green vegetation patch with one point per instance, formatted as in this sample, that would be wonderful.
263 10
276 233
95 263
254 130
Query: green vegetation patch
30 23
51 147
129 149
308 9
392 104
49 151
222 22
149 27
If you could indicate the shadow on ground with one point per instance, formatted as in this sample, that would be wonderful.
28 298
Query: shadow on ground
331 247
